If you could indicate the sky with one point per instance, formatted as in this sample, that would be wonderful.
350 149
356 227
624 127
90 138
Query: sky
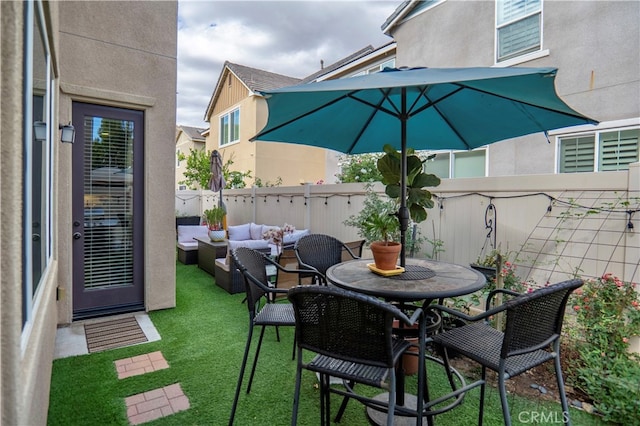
285 37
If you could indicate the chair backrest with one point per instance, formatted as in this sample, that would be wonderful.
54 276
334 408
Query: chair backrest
319 251
534 320
344 325
252 265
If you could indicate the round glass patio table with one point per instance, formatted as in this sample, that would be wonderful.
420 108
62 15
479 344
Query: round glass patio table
424 280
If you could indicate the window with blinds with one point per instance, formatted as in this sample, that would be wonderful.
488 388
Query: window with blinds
230 127
577 154
108 202
518 27
618 149
600 151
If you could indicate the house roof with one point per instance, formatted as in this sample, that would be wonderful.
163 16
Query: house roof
254 79
351 62
194 133
342 62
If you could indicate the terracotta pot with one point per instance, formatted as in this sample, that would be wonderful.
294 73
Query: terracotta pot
409 362
385 255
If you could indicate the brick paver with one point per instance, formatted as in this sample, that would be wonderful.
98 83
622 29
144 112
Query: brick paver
140 364
156 403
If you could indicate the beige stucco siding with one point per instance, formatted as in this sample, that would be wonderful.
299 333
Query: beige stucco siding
127 60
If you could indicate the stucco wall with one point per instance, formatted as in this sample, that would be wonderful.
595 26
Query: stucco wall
124 54
594 44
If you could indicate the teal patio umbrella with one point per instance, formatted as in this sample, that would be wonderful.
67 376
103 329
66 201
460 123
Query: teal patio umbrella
424 108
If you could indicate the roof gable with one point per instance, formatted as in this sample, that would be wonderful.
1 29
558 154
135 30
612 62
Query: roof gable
255 80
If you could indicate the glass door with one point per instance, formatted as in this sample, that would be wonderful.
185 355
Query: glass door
107 211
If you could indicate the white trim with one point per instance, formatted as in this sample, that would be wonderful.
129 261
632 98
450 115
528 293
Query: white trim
521 59
389 48
400 19
590 128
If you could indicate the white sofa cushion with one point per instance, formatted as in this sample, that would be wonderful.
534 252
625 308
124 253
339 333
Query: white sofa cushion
240 232
187 233
252 244
297 234
255 231
188 246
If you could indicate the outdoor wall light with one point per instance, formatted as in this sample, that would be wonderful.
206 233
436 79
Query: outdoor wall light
40 131
68 133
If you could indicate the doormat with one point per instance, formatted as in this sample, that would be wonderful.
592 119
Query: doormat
113 334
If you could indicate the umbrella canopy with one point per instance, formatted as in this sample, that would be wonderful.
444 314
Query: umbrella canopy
216 181
425 108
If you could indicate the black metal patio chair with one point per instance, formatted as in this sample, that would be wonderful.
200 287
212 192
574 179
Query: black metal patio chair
352 337
263 308
318 252
531 337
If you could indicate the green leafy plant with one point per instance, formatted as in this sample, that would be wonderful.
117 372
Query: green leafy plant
214 217
376 220
197 170
418 198
358 168
607 316
376 210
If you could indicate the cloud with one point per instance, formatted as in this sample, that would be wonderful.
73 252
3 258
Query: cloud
286 37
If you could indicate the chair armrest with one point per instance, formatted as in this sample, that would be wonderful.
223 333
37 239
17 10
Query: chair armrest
352 254
466 317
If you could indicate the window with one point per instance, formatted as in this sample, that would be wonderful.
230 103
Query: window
230 127
38 85
606 150
391 63
458 164
518 28
178 155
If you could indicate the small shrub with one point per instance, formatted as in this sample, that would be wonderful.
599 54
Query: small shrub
607 315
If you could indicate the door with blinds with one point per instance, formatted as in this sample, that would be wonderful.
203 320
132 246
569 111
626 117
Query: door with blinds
107 223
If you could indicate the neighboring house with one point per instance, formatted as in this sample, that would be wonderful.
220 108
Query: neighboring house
595 46
187 138
237 111
87 228
365 61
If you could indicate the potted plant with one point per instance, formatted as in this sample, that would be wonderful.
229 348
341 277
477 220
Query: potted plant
214 217
381 226
418 198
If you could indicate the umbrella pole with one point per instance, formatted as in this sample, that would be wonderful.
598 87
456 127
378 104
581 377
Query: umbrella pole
403 213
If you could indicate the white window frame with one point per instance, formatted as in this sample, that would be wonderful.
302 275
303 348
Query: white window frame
228 115
595 131
452 160
31 299
526 54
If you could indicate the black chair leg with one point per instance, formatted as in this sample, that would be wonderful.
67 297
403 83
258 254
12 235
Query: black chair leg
255 359
296 394
343 405
242 368
482 388
561 391
503 399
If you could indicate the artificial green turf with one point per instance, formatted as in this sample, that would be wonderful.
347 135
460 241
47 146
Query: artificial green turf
203 340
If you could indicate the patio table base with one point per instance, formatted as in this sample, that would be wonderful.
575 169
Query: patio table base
380 417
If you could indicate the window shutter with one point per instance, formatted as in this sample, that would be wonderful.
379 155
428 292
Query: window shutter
618 149
577 154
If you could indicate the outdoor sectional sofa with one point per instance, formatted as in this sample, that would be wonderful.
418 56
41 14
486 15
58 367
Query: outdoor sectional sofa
187 246
247 235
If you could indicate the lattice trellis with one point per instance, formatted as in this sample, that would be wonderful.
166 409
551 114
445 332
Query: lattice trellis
584 233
